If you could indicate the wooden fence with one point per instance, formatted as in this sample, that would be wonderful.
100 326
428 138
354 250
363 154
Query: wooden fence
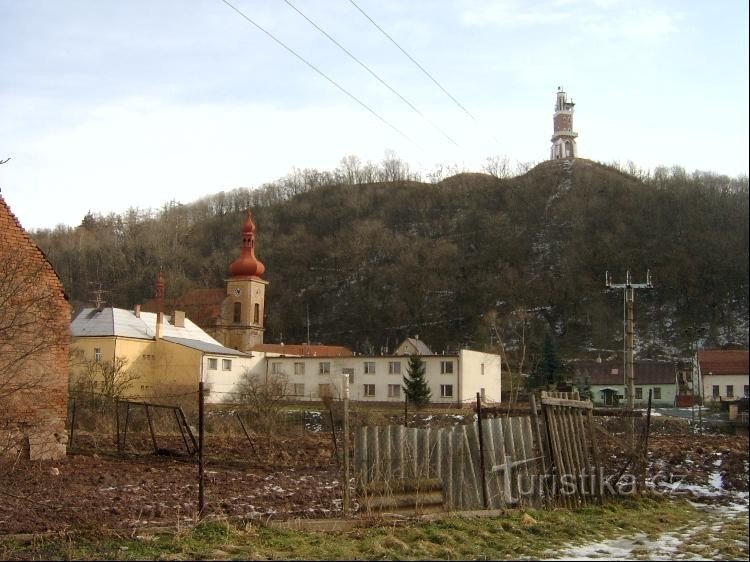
507 475
570 461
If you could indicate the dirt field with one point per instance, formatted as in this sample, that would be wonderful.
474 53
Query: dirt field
294 476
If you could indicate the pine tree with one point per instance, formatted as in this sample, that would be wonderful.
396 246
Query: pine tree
549 369
415 382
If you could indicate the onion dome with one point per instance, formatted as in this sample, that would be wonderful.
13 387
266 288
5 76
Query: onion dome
247 265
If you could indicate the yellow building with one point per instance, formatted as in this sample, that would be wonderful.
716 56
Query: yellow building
150 354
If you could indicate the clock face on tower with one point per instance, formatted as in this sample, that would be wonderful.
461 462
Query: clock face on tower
238 291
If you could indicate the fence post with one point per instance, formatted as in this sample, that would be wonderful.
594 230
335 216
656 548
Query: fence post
71 444
406 410
481 451
201 479
117 424
347 499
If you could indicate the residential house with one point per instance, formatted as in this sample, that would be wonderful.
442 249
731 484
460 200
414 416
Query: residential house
722 374
607 382
34 316
161 355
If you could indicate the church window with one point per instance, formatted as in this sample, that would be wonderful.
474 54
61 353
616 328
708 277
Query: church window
237 312
256 314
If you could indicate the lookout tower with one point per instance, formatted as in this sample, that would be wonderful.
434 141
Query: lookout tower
563 137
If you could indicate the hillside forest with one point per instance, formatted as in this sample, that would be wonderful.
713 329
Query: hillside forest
366 255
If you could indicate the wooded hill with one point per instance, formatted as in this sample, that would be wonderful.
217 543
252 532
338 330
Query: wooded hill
472 260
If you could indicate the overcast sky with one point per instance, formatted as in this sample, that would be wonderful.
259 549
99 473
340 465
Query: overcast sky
110 104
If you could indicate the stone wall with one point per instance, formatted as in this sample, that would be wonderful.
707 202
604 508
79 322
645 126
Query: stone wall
34 341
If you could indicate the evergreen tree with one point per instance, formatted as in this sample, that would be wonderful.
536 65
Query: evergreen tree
549 369
415 382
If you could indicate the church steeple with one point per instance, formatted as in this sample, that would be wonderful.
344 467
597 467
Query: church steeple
242 318
563 137
247 265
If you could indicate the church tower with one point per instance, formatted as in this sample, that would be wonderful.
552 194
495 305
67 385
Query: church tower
242 312
563 137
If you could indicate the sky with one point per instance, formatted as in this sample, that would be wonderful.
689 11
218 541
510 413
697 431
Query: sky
112 104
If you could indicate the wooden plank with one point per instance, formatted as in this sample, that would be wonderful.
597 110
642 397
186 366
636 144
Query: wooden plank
510 451
578 459
446 460
473 478
567 439
539 441
494 490
360 460
586 446
534 497
457 462
585 404
399 455
557 452
595 453
374 471
519 454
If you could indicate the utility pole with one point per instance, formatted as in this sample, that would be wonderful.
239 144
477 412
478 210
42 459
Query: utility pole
629 292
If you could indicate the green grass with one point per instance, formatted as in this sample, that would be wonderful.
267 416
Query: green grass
506 537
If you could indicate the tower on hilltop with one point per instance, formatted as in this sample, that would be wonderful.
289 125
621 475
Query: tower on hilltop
563 137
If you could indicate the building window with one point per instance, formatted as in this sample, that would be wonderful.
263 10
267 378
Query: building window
369 367
98 354
256 313
237 312
368 390
730 391
394 367
213 364
350 372
482 369
446 391
276 368
657 393
446 367
299 389
299 368
715 391
226 364
481 394
747 390
324 391
324 368
394 391
638 393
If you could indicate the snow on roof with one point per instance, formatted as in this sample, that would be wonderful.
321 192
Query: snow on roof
118 322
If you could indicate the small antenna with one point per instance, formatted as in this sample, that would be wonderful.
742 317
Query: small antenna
98 294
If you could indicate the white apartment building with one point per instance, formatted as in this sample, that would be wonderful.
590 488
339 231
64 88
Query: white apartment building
453 379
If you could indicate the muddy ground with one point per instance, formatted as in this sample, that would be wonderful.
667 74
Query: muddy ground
287 476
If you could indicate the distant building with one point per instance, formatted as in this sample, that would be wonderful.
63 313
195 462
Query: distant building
563 137
607 383
722 375
34 318
164 355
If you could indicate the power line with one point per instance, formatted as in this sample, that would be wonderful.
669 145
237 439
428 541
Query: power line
392 40
372 73
323 74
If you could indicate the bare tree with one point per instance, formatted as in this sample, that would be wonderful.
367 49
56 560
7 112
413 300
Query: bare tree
510 333
101 383
263 396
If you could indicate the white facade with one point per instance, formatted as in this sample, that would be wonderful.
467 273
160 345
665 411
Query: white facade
452 379
724 387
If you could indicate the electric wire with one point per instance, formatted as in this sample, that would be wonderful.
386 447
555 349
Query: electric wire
320 72
372 73
392 40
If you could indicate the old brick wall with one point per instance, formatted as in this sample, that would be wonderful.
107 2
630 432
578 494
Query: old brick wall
34 341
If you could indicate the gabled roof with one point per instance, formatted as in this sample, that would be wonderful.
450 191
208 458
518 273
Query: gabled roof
304 350
203 306
118 322
723 361
611 373
421 347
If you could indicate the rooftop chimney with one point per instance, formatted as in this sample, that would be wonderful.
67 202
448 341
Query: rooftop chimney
178 319
159 320
137 311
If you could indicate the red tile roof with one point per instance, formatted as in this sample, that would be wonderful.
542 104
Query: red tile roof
304 350
723 361
202 306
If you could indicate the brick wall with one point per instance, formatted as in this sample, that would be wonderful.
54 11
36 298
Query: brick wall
34 341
